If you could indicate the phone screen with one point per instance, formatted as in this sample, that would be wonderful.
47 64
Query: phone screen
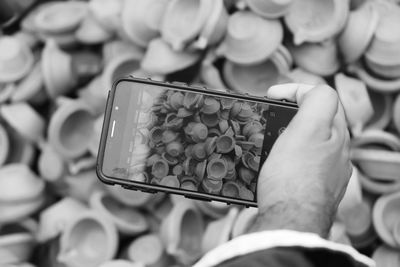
194 141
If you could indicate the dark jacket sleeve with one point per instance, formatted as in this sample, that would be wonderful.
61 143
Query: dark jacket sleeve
283 248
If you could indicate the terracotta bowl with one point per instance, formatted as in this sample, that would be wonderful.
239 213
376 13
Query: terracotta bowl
382 104
247 36
385 256
71 128
55 218
218 232
88 240
128 220
315 21
182 231
30 86
386 218
149 250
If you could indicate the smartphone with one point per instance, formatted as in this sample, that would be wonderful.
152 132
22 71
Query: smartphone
187 139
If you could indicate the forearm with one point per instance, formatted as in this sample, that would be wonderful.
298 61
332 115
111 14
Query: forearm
293 215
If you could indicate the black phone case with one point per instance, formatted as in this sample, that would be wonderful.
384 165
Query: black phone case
149 188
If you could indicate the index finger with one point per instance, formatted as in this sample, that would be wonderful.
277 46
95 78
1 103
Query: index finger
293 92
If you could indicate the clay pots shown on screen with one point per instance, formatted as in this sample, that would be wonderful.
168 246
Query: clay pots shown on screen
88 240
356 101
21 192
387 220
358 32
71 128
218 232
250 39
16 59
149 250
316 21
128 220
181 232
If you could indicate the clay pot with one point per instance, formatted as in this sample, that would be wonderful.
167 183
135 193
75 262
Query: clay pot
230 189
214 27
216 169
24 120
200 169
209 73
225 144
127 220
149 250
108 13
51 165
210 145
19 184
114 48
385 256
218 231
255 79
318 58
358 32
16 59
88 240
270 9
30 86
170 181
71 128
316 21
198 132
384 46
212 186
375 83
60 17
91 31
358 223
213 209
121 263
174 149
59 78
4 144
6 91
193 101
244 221
377 138
54 219
23 151
250 39
299 75
396 113
382 105
182 231
178 29
210 106
378 164
386 219
141 20
16 247
384 70
356 102
161 59
120 67
379 187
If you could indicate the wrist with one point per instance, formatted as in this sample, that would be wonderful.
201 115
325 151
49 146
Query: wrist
292 215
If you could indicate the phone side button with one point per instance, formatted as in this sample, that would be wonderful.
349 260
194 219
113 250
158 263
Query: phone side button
198 198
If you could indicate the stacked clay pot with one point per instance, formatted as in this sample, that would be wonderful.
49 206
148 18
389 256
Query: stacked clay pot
56 70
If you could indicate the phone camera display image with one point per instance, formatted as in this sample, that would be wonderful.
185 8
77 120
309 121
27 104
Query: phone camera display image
191 141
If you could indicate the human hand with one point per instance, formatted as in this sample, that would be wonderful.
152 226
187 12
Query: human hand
306 173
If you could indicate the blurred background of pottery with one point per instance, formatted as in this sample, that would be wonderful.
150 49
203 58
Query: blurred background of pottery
59 59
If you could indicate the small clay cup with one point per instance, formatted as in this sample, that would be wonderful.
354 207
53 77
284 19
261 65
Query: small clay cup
170 181
225 144
149 250
160 169
230 189
217 169
211 186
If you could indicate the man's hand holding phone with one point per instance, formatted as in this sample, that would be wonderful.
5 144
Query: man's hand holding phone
307 171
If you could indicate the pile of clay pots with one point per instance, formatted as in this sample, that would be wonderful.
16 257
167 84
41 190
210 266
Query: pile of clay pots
55 73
